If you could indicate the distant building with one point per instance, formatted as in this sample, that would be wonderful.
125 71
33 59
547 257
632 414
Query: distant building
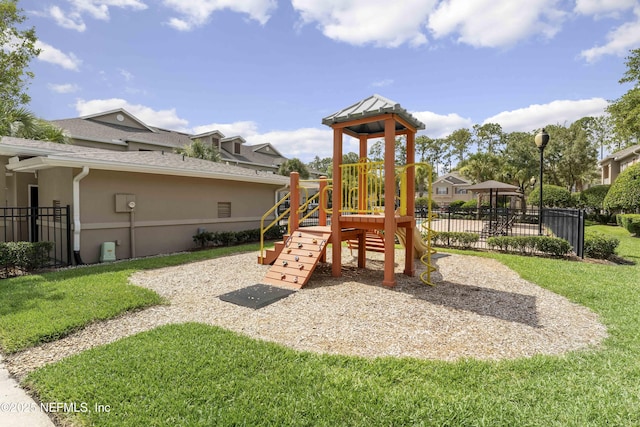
449 188
617 162
119 130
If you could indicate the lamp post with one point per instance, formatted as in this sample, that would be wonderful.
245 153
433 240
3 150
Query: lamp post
541 139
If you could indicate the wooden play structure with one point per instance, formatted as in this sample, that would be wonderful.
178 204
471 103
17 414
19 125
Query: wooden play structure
371 202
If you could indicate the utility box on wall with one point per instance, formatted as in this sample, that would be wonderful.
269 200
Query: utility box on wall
124 202
108 252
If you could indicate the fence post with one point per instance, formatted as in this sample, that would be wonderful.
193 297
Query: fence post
68 216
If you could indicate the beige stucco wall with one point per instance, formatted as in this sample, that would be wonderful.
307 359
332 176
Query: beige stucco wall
169 210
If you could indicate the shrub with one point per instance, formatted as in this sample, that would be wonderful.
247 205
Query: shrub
624 194
424 201
552 197
455 238
528 244
598 245
24 256
473 204
456 204
593 197
228 238
631 222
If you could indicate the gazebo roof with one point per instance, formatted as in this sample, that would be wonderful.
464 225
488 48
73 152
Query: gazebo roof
486 186
372 107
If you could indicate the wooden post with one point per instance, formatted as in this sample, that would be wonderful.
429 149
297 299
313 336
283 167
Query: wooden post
294 201
409 259
322 213
389 201
336 238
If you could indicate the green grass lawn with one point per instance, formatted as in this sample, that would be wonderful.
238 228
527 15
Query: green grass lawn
199 375
45 307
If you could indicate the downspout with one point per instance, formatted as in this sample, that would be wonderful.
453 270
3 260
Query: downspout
76 214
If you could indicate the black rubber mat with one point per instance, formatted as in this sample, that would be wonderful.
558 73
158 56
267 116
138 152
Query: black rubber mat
256 296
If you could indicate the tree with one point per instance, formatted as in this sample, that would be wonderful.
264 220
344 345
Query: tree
553 196
570 158
459 141
599 131
199 150
18 48
21 123
489 137
293 165
624 194
625 111
481 167
321 165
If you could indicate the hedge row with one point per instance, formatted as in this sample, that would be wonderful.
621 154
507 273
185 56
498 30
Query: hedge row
528 244
229 238
455 238
18 257
631 222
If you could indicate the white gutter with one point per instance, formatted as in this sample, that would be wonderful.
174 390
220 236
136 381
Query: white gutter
76 210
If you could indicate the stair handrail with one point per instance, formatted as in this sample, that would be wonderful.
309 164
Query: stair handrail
277 219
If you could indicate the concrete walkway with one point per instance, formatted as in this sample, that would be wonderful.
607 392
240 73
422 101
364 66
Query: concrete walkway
17 408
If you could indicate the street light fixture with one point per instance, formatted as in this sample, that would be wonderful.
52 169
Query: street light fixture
541 139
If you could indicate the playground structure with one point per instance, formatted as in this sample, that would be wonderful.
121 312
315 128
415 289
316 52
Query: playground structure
367 199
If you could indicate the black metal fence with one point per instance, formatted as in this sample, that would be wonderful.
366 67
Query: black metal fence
564 223
40 224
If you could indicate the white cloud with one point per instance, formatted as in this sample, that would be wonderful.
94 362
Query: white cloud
438 126
361 22
382 83
620 40
196 13
97 9
305 143
72 20
126 74
55 56
243 128
166 119
63 88
538 115
495 23
603 7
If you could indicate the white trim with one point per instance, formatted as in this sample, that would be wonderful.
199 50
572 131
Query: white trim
77 226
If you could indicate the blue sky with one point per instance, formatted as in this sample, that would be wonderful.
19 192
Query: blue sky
270 70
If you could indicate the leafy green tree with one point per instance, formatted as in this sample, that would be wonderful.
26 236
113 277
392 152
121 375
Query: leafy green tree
625 111
200 150
570 157
321 165
489 137
18 48
599 132
459 142
593 197
430 151
21 123
624 194
520 159
293 165
553 196
481 167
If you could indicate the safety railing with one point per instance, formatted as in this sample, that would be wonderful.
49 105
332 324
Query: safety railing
275 221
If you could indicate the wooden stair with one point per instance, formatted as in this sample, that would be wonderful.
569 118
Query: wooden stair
270 255
374 242
298 258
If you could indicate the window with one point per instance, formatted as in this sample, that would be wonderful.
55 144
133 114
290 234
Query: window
461 191
605 172
236 148
224 209
442 190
